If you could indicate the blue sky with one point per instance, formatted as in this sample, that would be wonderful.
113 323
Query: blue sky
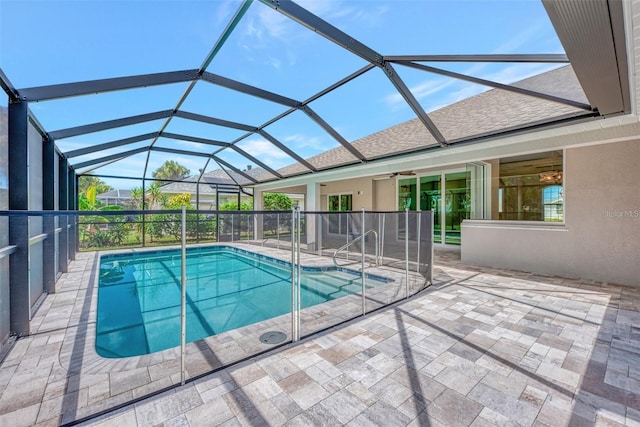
49 42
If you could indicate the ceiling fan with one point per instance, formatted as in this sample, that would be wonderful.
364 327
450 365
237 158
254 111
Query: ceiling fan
403 173
394 174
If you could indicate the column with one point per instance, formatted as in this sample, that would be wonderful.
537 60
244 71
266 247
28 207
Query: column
19 304
312 204
63 221
72 198
48 222
259 218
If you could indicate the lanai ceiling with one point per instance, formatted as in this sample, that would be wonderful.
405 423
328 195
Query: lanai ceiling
366 80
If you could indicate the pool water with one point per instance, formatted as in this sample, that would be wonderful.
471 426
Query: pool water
227 288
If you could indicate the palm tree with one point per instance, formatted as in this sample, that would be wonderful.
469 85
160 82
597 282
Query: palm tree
171 170
87 202
154 196
86 181
136 197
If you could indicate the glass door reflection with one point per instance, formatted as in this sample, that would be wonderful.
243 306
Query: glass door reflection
457 205
339 203
431 200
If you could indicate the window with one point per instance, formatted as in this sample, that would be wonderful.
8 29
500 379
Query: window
530 188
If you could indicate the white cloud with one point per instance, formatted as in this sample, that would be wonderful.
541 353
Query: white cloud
224 10
334 11
274 62
260 148
506 75
266 152
276 25
395 101
265 28
262 30
299 141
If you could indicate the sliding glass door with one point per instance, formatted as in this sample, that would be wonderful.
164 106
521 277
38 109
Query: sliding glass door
448 194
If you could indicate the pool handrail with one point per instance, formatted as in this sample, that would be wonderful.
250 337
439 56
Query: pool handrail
356 239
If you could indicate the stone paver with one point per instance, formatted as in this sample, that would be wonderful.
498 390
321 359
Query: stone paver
480 347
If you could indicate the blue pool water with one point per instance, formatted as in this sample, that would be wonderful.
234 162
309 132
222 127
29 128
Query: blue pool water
227 288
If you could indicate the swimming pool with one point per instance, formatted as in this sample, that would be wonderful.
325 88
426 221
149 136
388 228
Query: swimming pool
227 288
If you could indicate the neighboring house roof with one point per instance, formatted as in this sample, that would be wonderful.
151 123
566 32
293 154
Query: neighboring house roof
216 177
221 177
115 194
557 201
232 177
186 186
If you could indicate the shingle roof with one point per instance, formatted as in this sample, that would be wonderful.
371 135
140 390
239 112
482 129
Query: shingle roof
186 186
115 194
217 176
489 112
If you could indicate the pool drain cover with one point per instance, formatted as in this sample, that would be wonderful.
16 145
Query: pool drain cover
273 337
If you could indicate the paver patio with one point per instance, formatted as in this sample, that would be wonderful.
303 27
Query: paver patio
481 347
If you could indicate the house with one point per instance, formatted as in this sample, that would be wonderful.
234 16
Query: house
535 201
117 198
216 188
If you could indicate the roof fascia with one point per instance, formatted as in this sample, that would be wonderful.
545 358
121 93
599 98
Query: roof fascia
551 137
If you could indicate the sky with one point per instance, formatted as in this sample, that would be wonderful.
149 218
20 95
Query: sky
52 42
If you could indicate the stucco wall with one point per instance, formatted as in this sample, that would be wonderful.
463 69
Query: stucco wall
385 194
360 188
600 239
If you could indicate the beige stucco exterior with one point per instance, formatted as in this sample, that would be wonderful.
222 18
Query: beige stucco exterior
600 239
360 188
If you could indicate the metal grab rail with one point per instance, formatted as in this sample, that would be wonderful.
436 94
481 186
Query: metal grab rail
37 239
346 245
7 250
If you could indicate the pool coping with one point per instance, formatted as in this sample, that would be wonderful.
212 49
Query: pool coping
161 370
237 249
